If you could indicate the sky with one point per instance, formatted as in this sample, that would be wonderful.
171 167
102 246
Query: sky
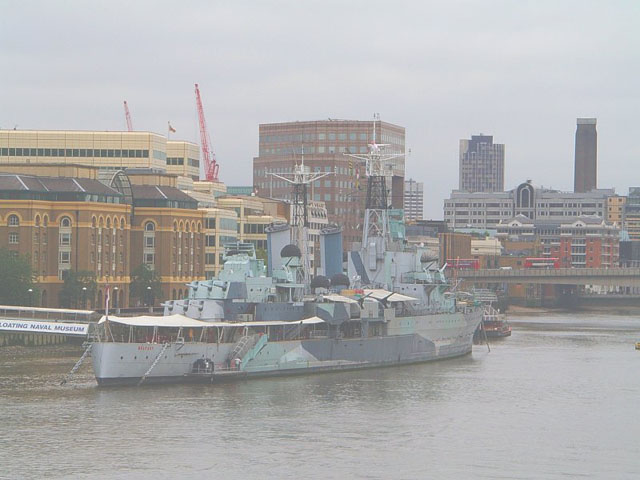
520 71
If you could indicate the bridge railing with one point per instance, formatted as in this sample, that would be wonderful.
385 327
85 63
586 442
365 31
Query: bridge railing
551 272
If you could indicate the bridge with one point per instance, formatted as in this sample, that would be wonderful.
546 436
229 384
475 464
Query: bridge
614 277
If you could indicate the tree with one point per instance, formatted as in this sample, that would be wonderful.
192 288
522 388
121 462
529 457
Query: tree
261 254
145 285
78 288
16 280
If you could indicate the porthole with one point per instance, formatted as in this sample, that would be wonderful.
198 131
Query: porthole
121 358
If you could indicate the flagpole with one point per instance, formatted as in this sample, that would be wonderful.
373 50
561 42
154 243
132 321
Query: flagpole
168 130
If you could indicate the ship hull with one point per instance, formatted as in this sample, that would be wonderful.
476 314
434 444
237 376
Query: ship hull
412 340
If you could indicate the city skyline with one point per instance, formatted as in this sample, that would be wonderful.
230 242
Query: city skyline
439 85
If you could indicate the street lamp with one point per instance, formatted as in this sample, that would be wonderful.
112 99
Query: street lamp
30 297
84 297
149 302
116 300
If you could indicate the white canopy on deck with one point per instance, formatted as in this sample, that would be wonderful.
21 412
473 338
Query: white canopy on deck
380 294
332 297
177 321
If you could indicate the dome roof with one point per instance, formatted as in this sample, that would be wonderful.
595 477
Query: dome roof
320 281
340 279
290 251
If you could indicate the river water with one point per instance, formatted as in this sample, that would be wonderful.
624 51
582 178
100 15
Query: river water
558 399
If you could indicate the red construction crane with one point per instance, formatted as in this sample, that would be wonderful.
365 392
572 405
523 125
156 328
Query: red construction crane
128 117
209 158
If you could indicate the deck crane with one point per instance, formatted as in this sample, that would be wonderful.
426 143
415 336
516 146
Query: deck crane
210 164
128 117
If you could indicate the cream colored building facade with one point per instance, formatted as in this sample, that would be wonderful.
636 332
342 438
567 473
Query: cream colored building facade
615 209
104 150
220 228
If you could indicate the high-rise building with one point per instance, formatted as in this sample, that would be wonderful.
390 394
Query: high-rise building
325 143
586 161
481 164
413 200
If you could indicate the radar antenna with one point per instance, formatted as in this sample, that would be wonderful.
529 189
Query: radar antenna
300 179
376 219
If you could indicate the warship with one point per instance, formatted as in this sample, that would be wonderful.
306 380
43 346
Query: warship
394 306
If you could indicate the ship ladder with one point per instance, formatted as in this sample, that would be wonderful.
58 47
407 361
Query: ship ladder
155 362
77 365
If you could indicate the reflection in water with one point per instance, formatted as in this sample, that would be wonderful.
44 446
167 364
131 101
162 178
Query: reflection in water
556 399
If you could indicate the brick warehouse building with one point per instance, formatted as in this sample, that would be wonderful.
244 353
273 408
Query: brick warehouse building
581 242
325 142
109 229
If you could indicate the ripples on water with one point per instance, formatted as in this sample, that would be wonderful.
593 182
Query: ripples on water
559 399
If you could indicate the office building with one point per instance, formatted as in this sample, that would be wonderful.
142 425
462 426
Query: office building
103 150
615 209
325 143
481 164
413 200
586 156
485 210
631 216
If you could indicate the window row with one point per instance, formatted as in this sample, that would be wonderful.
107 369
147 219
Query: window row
73 152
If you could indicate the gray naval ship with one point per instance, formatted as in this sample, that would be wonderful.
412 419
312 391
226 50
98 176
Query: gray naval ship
393 307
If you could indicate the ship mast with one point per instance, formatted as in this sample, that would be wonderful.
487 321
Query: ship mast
376 220
300 179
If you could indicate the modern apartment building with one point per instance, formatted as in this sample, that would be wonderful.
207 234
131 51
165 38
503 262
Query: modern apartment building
413 200
586 156
325 143
481 164
580 242
487 209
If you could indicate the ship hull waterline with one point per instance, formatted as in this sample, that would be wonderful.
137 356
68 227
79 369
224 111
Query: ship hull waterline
126 363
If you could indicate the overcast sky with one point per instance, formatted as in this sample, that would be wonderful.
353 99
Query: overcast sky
520 71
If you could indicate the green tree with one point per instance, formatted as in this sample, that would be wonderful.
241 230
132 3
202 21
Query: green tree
261 254
79 287
16 279
145 285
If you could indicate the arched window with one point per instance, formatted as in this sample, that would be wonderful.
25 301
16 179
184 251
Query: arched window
45 220
93 222
13 221
37 220
122 224
149 245
65 222
108 222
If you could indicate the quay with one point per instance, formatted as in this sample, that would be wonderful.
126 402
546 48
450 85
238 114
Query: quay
33 326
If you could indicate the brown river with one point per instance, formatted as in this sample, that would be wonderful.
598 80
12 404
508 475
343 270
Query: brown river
558 399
